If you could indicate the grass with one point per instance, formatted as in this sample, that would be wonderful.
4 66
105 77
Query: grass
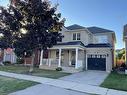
37 72
9 85
116 81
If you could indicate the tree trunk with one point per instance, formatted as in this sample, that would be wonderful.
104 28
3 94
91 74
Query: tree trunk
32 63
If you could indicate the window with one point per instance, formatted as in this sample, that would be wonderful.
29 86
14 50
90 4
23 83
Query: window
76 36
102 39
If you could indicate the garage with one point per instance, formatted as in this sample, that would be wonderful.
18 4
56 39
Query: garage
96 62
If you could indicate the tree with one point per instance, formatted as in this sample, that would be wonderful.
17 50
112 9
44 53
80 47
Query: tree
34 25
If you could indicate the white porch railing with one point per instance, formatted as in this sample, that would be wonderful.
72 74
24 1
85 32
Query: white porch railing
55 62
50 62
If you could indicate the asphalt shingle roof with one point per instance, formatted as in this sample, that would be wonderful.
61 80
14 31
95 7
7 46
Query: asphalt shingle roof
97 45
95 30
88 46
75 27
72 43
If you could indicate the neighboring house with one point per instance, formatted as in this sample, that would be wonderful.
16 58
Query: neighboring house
125 39
81 48
8 55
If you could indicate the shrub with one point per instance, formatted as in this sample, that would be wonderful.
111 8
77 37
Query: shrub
58 69
123 65
7 62
19 60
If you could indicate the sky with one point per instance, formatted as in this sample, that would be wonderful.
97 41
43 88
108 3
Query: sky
108 14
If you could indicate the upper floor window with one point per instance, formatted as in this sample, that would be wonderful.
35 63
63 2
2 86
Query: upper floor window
76 36
102 39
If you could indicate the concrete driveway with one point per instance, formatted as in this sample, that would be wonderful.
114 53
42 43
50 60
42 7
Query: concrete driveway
87 77
42 89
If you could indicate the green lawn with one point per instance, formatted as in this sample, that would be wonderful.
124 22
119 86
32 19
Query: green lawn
9 85
116 81
37 72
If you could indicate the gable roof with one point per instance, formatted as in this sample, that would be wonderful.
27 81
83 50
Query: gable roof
75 27
96 30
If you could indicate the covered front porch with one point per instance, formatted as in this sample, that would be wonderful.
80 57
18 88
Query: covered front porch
69 58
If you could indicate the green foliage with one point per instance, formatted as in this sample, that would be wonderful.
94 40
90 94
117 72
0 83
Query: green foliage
19 61
10 85
58 69
6 62
27 25
116 81
121 53
37 72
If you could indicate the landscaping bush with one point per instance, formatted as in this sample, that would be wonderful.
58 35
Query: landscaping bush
123 65
19 60
7 63
58 69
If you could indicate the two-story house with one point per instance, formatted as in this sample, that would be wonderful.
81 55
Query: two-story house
81 48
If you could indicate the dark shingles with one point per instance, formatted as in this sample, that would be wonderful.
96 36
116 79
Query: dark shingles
75 27
72 43
95 30
98 45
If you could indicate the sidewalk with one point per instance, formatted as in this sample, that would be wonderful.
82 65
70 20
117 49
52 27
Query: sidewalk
66 84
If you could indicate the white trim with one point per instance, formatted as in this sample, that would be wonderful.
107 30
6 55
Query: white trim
86 62
76 36
76 58
59 65
68 47
41 57
69 58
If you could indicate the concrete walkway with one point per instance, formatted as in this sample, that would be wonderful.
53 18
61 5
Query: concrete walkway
43 89
90 77
66 84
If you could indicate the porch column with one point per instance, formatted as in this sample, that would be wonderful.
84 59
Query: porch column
59 65
69 58
76 58
41 57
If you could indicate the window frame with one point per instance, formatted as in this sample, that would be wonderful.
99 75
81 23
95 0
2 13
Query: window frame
76 36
